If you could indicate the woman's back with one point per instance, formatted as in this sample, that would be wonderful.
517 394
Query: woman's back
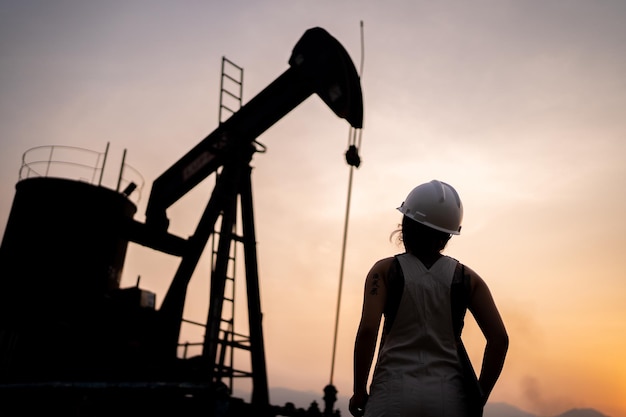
418 371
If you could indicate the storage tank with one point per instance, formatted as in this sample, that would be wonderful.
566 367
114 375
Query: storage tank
63 248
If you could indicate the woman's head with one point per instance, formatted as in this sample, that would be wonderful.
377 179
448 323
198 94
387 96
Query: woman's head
419 238
432 213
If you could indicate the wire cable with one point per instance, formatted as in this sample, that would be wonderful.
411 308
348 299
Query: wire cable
353 159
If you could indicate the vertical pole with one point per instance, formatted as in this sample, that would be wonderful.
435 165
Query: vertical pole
218 284
106 153
260 392
49 160
119 178
343 257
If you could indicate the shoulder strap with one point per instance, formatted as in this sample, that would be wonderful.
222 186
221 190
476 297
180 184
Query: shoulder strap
459 297
395 287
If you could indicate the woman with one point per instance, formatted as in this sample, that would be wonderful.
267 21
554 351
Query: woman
422 369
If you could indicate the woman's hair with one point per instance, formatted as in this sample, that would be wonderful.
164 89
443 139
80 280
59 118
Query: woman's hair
419 238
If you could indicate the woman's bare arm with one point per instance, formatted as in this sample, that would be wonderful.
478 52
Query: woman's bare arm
375 295
484 310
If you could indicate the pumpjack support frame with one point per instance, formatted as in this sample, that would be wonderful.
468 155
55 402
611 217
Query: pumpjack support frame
318 65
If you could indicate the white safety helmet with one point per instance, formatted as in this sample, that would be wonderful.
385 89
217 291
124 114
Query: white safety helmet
436 205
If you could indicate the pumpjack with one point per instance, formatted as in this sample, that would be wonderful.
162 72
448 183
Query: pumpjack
72 342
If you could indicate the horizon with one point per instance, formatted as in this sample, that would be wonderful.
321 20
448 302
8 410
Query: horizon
303 399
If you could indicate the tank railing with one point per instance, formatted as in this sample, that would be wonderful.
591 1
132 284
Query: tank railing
79 164
75 163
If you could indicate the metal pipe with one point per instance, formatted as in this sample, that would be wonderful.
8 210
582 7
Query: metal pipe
106 152
119 179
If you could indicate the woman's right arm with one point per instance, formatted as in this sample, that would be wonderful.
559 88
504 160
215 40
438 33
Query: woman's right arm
483 308
374 297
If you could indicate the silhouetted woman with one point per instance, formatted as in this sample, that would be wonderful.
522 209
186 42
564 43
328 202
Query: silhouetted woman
422 368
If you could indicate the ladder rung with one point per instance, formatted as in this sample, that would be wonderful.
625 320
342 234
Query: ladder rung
224 59
233 95
233 79
228 108
234 343
231 372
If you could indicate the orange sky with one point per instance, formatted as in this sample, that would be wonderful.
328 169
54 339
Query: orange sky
518 104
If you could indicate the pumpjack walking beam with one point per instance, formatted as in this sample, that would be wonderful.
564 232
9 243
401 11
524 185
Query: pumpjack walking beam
319 64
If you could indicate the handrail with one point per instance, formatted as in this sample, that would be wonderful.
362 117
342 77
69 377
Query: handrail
70 162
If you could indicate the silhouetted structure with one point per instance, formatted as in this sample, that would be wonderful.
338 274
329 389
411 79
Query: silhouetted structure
72 342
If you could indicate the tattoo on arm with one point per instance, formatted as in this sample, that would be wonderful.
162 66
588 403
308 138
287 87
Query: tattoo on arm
375 284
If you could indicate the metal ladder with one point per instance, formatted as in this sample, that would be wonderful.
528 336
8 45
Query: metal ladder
231 92
231 89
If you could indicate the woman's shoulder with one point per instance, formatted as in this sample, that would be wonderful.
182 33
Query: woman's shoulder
475 280
384 263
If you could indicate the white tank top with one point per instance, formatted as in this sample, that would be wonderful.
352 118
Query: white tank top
418 372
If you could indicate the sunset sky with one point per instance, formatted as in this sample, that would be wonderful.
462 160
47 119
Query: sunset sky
519 104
